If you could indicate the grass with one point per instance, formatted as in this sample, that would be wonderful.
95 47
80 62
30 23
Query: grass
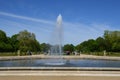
116 54
8 54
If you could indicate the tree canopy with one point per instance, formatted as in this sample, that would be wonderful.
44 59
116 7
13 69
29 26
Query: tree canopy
5 42
45 47
68 47
109 42
25 40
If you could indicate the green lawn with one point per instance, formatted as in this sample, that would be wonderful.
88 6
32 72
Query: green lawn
117 54
8 54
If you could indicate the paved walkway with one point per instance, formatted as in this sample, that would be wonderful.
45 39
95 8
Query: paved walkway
82 56
59 75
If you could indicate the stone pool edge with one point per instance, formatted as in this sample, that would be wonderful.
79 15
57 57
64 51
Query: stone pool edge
64 57
58 69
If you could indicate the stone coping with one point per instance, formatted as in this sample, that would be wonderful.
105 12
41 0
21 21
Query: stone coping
64 57
58 69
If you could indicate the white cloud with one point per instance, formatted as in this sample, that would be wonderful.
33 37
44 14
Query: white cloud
26 18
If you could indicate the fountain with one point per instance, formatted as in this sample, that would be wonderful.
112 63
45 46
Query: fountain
56 46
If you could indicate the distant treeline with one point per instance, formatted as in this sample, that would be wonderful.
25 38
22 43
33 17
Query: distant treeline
25 41
110 42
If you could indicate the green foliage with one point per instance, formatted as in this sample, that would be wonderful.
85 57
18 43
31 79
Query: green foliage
45 47
8 54
78 48
5 44
116 47
69 47
3 37
112 39
23 41
15 42
110 42
27 41
101 44
87 46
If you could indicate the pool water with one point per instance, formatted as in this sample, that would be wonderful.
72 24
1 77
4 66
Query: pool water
60 63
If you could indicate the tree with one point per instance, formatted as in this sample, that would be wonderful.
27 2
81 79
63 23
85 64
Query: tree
92 45
116 47
5 44
45 47
15 42
101 44
112 38
3 37
88 46
69 47
78 48
2 46
27 41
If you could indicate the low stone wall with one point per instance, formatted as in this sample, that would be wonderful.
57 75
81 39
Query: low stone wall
64 57
58 69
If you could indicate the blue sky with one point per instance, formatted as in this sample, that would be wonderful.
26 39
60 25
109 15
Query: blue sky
82 19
